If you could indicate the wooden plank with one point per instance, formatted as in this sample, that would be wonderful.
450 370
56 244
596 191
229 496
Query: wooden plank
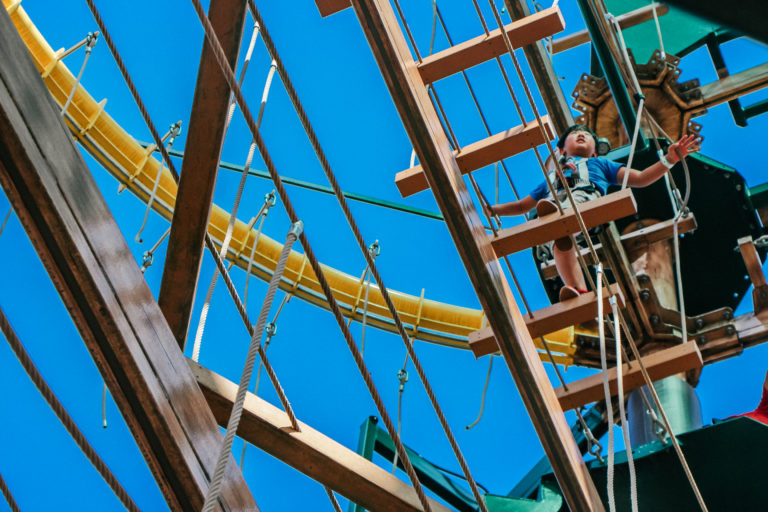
199 170
550 319
84 252
734 86
479 154
420 120
664 363
328 7
521 32
538 231
309 451
648 235
626 20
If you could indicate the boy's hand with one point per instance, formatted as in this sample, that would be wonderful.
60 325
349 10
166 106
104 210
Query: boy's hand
488 209
682 148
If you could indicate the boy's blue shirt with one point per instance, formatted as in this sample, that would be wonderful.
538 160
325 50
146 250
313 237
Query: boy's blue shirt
602 173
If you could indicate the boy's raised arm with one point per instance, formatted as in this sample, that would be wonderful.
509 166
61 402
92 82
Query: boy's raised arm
676 152
520 207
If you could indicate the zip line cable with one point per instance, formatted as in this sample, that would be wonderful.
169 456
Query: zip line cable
61 413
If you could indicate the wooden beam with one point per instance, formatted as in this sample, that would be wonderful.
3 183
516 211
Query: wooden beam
483 48
328 7
420 119
314 454
199 170
550 319
538 231
626 20
755 272
734 86
548 82
648 235
664 363
479 154
84 252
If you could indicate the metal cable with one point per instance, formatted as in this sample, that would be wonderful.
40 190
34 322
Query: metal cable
61 413
104 406
237 407
358 236
90 42
482 399
315 265
332 497
8 495
149 255
268 199
5 220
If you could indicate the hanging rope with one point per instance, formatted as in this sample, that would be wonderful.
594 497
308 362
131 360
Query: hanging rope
606 390
658 30
174 131
482 399
309 253
402 378
5 220
253 350
104 406
90 42
269 202
63 415
8 496
374 249
332 497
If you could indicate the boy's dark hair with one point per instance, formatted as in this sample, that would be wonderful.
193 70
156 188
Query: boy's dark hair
573 128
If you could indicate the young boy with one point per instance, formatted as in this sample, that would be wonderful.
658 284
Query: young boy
588 177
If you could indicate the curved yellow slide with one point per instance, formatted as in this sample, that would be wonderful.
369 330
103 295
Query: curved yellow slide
136 168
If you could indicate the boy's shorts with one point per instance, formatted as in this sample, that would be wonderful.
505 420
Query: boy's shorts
544 251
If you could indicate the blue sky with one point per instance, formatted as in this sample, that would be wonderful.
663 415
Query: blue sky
347 101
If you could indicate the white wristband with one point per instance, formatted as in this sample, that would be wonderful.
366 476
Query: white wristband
666 163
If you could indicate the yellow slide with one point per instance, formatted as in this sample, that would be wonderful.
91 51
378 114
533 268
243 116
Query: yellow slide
136 168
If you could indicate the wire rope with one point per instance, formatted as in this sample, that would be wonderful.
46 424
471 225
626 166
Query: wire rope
5 220
269 199
90 42
62 414
8 495
482 399
361 243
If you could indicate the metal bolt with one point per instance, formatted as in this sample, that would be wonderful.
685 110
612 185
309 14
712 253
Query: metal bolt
654 319
728 314
702 339
699 323
729 330
645 295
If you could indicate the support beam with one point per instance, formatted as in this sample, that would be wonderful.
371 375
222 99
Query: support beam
544 321
667 362
541 67
483 48
538 231
84 252
733 86
199 170
431 145
309 451
626 20
481 153
755 272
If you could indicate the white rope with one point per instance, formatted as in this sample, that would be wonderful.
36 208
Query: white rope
482 399
606 388
211 497
90 42
173 133
622 410
658 30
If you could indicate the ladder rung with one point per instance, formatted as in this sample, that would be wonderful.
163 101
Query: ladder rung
661 364
538 231
470 53
481 153
649 235
555 317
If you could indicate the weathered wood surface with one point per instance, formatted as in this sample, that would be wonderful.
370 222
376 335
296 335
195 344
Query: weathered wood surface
423 126
83 250
317 456
664 363
199 170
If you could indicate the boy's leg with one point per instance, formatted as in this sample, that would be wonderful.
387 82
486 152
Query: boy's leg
568 267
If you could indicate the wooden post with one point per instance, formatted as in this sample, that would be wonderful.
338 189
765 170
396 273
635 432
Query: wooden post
421 122
84 252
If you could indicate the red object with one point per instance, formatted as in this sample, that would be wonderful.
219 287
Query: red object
761 413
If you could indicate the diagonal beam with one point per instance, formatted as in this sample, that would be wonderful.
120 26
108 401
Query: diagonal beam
309 451
84 252
423 126
198 170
